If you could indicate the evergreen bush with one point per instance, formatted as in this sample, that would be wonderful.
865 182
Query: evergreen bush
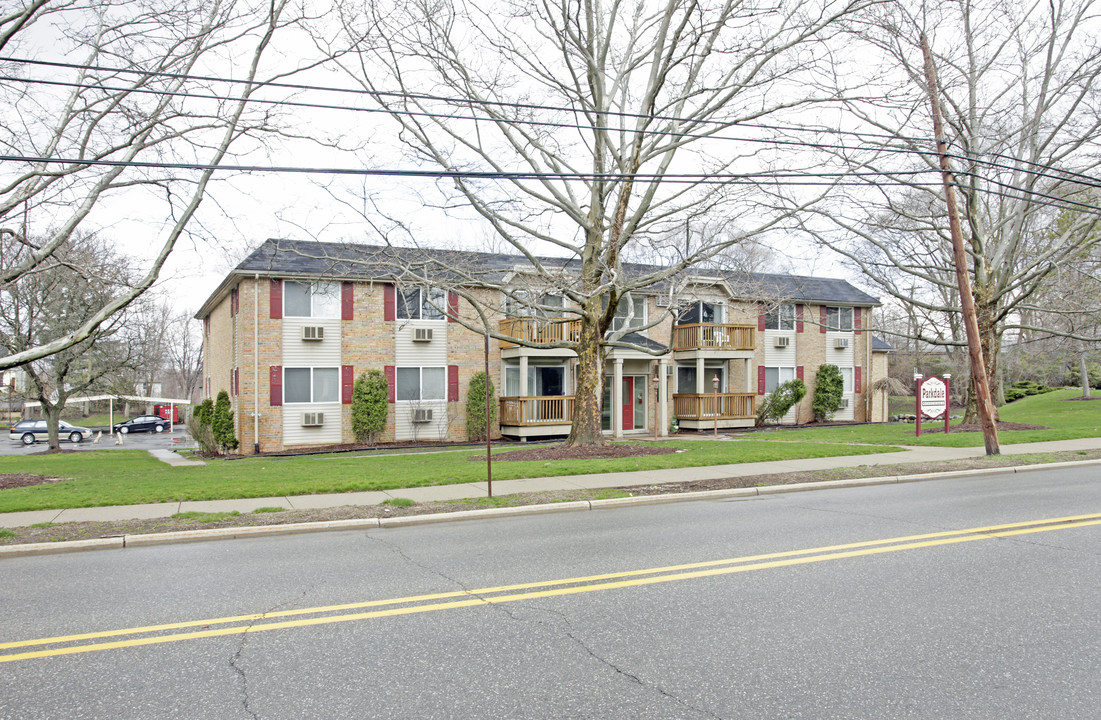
370 405
200 427
476 407
221 423
829 389
777 403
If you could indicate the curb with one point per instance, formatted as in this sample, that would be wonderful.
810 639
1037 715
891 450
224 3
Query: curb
125 541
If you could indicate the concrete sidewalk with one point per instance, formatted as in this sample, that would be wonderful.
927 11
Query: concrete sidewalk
506 487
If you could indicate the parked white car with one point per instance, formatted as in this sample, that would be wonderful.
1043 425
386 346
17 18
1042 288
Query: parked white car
29 431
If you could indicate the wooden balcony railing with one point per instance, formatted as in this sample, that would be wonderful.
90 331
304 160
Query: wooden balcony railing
537 410
702 407
539 330
713 336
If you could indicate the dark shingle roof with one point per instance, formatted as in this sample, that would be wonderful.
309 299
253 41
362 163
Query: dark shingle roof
880 345
305 258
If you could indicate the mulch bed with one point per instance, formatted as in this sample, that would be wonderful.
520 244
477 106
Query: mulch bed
975 427
18 480
562 452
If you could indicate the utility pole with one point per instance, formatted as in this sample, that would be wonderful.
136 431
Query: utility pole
967 300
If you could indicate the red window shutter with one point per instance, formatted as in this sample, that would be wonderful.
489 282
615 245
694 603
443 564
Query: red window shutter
452 383
856 379
347 301
391 375
760 379
798 318
346 382
822 318
856 322
452 309
760 318
276 305
275 378
798 372
389 304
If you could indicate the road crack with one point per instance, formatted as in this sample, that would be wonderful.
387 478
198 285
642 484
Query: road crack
567 631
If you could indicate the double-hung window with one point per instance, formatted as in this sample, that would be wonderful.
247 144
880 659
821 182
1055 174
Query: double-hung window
781 317
311 299
847 380
776 376
629 313
839 319
311 385
421 304
421 383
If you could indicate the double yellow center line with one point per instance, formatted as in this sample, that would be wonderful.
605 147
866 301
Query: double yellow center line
350 612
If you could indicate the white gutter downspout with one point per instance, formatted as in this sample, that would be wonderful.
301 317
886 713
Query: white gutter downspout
256 364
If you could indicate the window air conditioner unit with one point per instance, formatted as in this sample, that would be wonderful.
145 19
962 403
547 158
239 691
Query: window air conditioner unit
422 416
313 332
422 334
314 419
781 341
840 343
844 403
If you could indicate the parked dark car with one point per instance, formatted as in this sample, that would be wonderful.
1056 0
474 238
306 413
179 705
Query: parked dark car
142 423
28 431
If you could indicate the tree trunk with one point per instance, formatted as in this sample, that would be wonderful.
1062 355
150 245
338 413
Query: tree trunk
53 415
589 393
1085 375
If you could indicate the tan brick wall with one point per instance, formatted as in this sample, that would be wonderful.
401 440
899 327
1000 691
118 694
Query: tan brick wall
466 349
255 362
811 354
367 343
218 350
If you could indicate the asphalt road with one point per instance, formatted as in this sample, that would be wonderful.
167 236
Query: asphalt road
868 603
180 438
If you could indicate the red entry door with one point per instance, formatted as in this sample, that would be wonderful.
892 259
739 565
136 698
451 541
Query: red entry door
628 403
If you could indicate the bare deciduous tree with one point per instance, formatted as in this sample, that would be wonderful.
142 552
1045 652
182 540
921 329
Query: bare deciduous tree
599 129
1018 91
116 109
73 284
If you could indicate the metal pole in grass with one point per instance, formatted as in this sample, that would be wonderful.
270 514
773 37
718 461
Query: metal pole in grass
715 388
489 443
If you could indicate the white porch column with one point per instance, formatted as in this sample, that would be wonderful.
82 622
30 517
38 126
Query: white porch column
749 387
617 398
524 376
700 389
663 404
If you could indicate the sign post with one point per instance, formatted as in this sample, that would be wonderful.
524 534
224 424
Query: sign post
932 400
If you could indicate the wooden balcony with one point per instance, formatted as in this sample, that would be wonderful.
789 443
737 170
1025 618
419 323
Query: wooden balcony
731 406
714 336
536 410
539 330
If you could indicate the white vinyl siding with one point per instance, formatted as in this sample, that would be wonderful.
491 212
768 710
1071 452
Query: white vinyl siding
411 357
311 355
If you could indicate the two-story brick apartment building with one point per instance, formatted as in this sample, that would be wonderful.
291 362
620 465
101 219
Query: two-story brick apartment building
289 329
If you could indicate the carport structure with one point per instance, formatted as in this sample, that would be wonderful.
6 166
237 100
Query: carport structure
171 402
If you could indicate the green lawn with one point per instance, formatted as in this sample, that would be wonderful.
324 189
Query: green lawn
129 477
1064 420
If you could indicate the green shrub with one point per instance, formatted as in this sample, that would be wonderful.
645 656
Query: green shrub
1025 388
370 404
476 407
777 403
829 388
200 427
221 423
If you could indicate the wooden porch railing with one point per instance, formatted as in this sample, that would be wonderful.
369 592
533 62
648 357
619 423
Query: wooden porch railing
537 410
702 407
713 336
539 330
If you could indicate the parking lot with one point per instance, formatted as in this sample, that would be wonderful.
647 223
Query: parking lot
179 438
